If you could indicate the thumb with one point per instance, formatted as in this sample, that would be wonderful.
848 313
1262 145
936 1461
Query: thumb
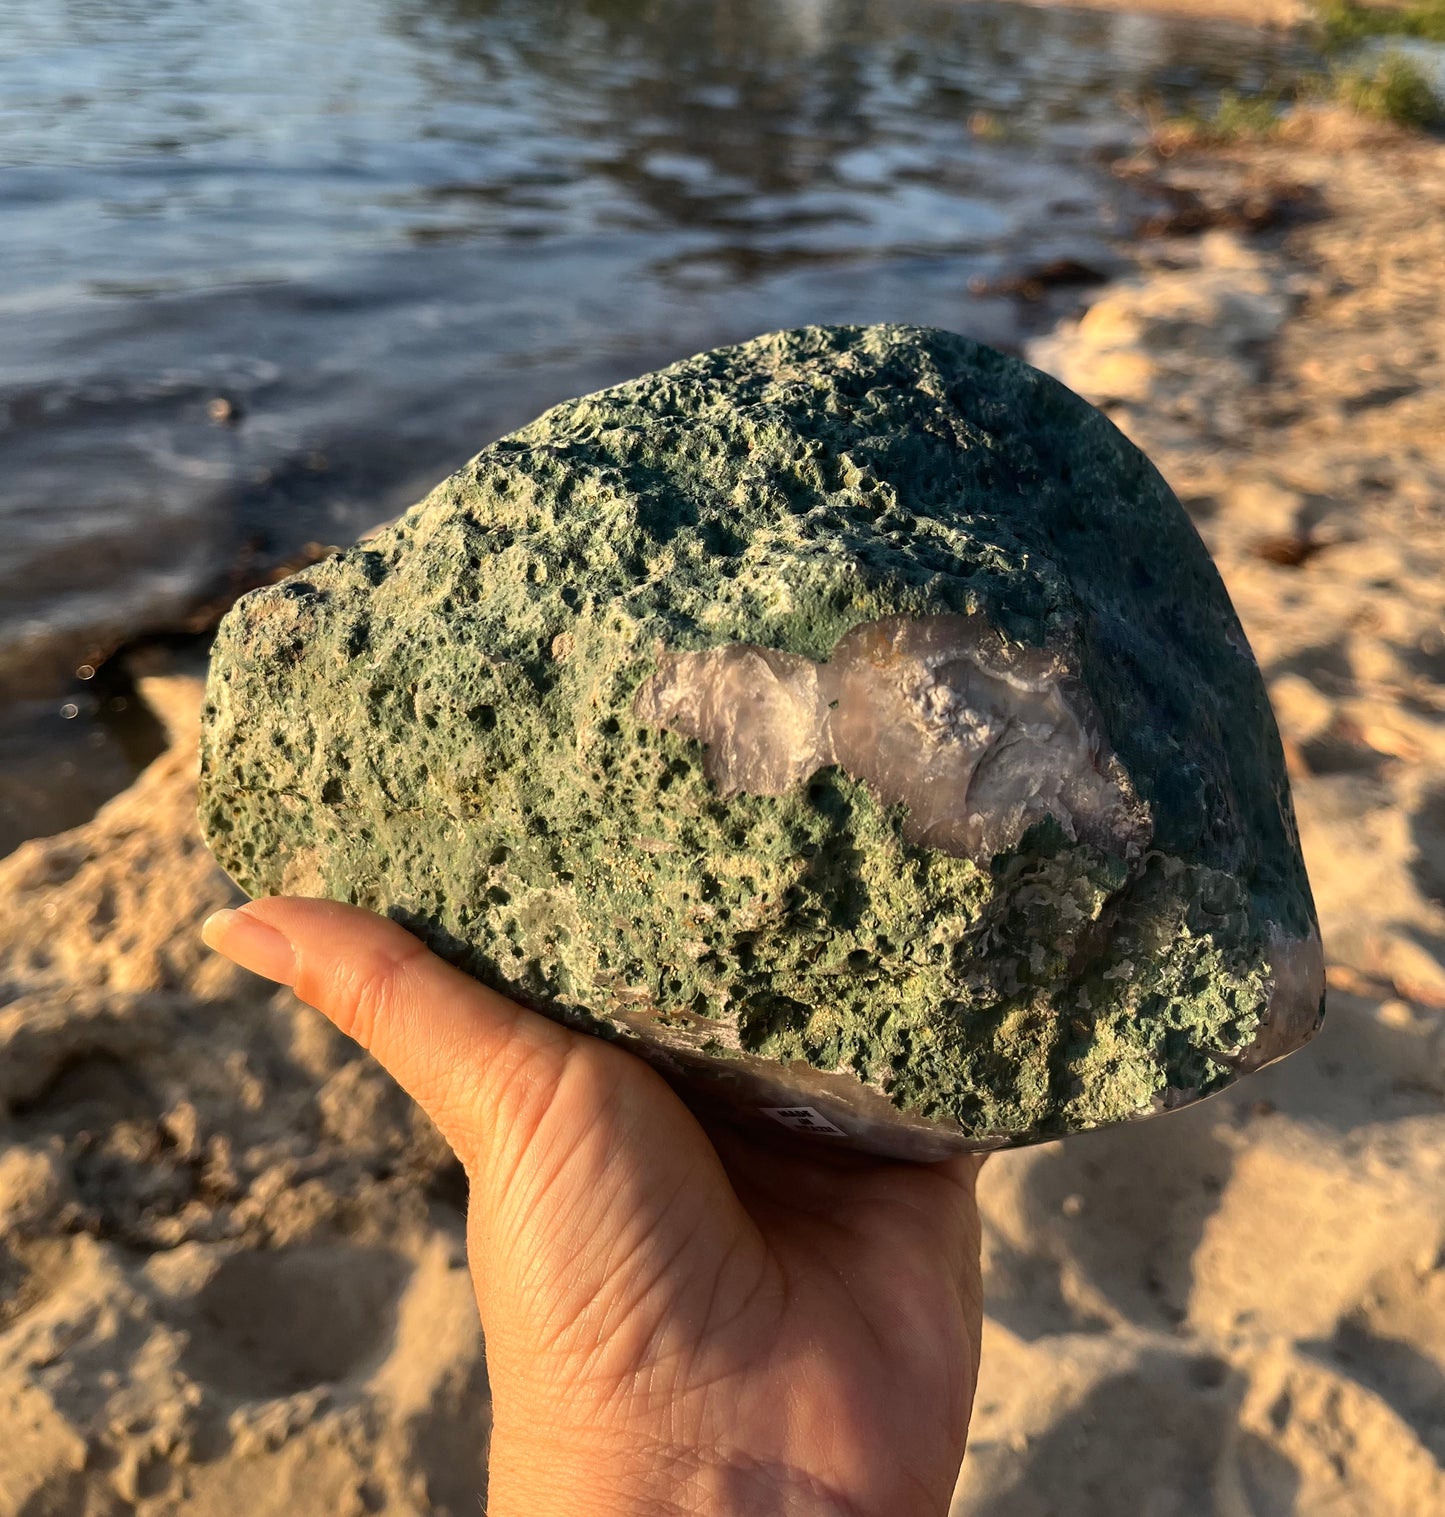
468 1056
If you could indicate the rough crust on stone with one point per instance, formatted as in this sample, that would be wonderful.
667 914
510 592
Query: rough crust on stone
461 722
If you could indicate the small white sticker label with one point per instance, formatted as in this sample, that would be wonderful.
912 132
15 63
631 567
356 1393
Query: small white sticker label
803 1119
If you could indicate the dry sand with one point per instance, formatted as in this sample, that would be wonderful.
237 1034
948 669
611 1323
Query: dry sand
1238 1310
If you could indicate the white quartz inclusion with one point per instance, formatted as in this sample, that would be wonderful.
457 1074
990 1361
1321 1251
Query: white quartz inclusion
979 739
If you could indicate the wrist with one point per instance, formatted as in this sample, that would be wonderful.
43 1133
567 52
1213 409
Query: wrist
535 1476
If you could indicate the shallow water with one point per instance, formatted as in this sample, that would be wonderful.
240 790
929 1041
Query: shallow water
386 231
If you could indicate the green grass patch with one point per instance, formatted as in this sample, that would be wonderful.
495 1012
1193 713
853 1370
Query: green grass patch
1344 22
1390 88
1240 117
1234 118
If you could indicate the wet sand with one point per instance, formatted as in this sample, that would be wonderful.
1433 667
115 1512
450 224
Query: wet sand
1237 1310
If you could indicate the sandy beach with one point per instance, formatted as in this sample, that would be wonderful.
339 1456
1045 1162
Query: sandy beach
1244 1314
1234 1311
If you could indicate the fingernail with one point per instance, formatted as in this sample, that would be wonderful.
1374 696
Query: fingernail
251 944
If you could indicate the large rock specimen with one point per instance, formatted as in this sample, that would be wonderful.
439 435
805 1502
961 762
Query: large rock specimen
851 721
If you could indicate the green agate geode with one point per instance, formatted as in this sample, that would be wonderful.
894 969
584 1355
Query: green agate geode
850 721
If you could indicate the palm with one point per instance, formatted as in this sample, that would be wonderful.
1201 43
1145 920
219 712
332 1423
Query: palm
705 1278
699 1319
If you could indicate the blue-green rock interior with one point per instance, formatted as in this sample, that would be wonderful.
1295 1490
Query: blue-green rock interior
453 723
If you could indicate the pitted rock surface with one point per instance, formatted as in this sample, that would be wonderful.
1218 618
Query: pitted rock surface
851 719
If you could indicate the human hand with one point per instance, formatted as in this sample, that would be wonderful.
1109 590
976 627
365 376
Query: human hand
679 1319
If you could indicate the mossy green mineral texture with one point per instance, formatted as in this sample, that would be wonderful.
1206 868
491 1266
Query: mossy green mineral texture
851 721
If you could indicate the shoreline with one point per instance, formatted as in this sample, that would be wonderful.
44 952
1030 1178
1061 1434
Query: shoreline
1267 14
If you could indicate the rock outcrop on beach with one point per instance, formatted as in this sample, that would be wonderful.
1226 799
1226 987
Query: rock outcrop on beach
848 718
230 1253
